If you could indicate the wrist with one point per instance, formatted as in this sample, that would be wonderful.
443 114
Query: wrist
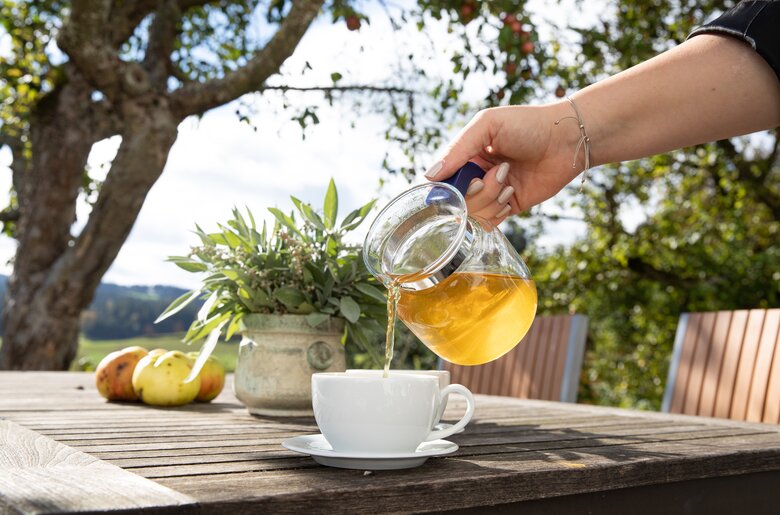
570 140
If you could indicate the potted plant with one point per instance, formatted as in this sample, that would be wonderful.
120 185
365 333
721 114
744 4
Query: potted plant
296 293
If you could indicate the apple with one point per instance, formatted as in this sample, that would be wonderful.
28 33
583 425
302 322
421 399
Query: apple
353 22
159 380
114 374
560 91
510 68
510 19
212 378
527 47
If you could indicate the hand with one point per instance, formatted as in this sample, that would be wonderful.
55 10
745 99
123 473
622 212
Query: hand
528 157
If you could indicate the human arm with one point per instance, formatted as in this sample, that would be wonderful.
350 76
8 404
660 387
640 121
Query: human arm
710 87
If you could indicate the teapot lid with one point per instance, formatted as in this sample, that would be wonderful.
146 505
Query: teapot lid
421 232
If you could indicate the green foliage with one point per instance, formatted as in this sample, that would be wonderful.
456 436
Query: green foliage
705 235
300 266
709 242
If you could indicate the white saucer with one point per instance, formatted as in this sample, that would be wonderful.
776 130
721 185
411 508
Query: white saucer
318 448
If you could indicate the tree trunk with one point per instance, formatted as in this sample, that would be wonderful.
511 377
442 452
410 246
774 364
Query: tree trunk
55 276
35 338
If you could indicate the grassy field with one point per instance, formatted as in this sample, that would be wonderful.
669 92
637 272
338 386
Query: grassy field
92 351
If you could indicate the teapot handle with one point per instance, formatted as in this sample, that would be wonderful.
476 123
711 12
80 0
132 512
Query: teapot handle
462 390
461 180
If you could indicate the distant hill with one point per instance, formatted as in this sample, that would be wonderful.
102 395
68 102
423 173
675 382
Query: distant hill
126 311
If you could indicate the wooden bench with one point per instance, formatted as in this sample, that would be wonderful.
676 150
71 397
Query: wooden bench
544 365
726 364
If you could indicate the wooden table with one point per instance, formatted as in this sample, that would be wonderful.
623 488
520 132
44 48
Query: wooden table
63 448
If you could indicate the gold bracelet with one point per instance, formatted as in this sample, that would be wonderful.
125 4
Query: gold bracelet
583 143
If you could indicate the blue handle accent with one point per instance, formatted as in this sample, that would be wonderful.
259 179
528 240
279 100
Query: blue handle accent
460 180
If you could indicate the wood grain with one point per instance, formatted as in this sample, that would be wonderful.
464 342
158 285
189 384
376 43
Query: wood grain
747 363
712 375
728 371
215 458
40 475
767 346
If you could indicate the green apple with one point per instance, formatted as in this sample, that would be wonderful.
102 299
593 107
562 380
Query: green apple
159 380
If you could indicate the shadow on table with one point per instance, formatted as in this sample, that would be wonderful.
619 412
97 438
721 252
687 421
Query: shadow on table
487 442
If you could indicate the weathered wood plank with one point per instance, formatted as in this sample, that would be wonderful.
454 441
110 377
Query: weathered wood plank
514 450
472 482
747 360
275 458
39 475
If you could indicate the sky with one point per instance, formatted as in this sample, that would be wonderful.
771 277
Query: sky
218 162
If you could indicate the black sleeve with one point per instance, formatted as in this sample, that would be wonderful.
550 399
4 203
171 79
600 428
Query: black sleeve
755 22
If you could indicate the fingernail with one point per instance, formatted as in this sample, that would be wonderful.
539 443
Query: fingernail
434 169
503 170
505 194
504 212
475 187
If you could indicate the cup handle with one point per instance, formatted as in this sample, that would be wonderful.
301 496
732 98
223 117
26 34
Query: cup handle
462 390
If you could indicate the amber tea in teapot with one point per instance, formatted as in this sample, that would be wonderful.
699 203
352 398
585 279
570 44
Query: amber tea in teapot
470 318
459 285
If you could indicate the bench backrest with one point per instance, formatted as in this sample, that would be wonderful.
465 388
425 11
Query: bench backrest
544 365
726 364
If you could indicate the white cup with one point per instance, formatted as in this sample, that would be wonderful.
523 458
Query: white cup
442 375
371 414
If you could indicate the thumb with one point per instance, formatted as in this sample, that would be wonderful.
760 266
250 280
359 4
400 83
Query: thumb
468 144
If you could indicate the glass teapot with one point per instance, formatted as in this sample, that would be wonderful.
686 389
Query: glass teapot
464 290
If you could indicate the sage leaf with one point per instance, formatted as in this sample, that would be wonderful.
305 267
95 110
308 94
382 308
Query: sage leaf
177 305
349 309
331 206
315 319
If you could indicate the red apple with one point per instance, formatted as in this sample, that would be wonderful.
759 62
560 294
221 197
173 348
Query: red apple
510 68
527 47
510 19
353 22
114 374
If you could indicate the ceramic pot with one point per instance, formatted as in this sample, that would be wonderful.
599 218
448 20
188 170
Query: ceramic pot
276 358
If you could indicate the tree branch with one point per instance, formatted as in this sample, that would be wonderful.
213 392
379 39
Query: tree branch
555 218
105 121
162 36
83 37
149 133
645 269
126 16
9 215
757 184
338 89
195 98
